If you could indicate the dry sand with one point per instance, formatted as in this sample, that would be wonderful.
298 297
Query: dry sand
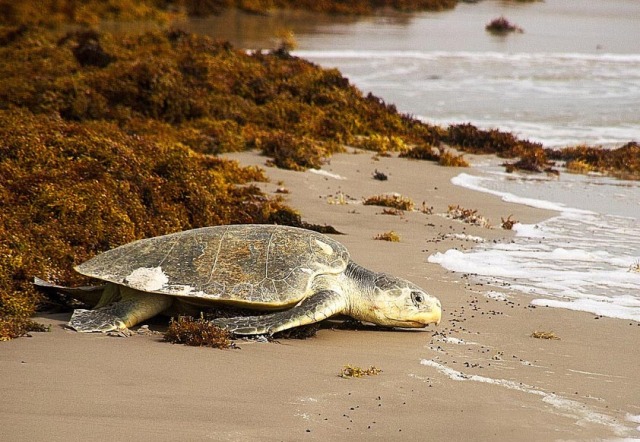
479 375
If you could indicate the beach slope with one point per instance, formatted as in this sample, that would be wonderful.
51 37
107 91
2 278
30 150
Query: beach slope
479 375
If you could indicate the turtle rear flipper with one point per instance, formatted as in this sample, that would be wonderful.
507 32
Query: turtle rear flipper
89 295
88 321
133 308
316 308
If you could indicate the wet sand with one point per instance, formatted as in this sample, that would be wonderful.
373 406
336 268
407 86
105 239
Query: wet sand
479 375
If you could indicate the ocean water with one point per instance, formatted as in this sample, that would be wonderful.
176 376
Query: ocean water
586 258
572 76
553 98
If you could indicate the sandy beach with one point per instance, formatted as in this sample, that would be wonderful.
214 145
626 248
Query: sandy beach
479 375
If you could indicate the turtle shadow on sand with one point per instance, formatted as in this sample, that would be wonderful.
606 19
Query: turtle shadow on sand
293 277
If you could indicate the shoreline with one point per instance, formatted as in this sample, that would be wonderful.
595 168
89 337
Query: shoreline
478 375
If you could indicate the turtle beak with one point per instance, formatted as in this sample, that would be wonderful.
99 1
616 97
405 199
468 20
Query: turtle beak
425 318
433 316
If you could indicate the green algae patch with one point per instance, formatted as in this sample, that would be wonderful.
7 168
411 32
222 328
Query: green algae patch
468 138
12 327
391 200
381 144
390 236
623 162
353 371
76 189
91 12
197 333
104 141
174 87
86 12
548 335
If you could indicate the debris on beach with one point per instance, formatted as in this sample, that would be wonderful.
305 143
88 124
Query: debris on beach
197 333
469 216
338 199
394 200
381 144
286 40
502 26
532 161
507 224
353 371
392 211
422 152
449 159
545 335
390 236
427 210
380 176
623 162
440 155
16 327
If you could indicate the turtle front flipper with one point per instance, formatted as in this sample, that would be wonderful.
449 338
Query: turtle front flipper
133 308
315 308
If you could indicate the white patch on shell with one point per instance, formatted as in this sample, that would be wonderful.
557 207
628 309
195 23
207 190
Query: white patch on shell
326 248
147 279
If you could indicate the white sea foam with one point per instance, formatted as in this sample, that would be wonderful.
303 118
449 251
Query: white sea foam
528 230
465 237
496 296
574 409
474 183
327 174
634 418
577 260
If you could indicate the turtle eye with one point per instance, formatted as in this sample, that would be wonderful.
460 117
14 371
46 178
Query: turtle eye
417 298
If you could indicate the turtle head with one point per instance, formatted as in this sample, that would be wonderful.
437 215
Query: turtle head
400 303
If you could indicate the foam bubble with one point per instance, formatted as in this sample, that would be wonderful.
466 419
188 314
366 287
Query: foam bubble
496 296
528 230
474 183
620 308
465 237
327 174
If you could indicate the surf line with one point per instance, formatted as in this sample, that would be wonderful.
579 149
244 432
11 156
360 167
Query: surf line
571 408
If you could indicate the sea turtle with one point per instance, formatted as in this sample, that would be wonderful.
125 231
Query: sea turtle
303 275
